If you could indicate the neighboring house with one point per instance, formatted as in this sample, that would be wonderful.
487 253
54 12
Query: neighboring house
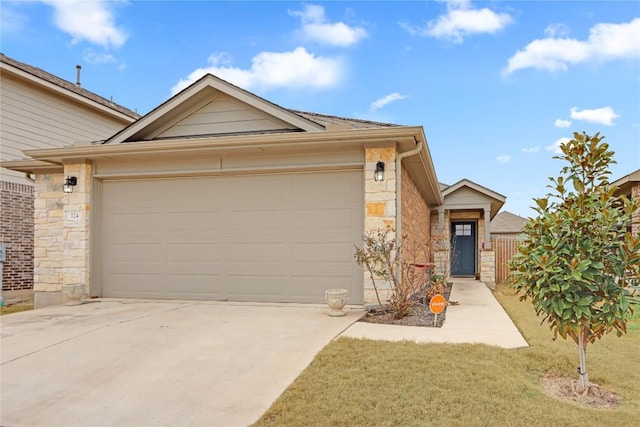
629 186
40 111
506 225
219 194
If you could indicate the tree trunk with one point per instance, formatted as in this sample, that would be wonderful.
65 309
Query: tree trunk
583 376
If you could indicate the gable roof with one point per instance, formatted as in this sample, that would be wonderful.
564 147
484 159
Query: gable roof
496 200
64 87
506 222
198 96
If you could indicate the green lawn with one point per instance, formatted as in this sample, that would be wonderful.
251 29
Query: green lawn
372 383
15 308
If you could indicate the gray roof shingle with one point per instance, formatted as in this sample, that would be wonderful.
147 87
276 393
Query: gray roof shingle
41 74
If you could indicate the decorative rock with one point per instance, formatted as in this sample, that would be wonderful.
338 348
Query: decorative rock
336 300
72 294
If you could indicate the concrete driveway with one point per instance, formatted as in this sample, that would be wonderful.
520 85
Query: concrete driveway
143 363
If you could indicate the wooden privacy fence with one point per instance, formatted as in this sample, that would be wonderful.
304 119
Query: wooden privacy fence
504 248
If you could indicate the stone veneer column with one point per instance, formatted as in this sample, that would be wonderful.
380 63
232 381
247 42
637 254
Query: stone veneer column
48 240
76 256
488 267
380 207
635 219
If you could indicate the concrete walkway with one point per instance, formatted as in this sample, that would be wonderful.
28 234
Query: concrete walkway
478 319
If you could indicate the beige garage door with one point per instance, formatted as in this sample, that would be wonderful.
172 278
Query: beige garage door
283 238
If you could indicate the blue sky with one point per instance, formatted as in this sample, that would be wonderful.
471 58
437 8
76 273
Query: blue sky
496 84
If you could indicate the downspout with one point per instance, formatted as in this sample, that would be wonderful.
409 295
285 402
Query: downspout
399 159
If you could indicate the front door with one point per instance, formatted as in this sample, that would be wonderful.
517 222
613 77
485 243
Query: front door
463 248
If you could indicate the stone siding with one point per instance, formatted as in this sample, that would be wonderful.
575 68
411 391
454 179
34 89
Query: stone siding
380 207
488 267
48 242
76 247
16 234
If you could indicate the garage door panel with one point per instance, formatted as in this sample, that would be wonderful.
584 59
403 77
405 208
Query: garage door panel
137 285
256 220
281 237
209 220
256 287
140 252
137 221
251 252
195 252
195 286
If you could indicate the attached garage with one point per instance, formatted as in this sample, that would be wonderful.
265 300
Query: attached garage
218 194
273 237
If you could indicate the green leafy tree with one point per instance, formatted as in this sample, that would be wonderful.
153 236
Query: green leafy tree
577 256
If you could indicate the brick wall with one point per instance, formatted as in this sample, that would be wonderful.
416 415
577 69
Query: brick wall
16 233
416 221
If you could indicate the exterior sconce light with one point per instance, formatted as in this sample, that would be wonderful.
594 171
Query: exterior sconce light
378 175
69 183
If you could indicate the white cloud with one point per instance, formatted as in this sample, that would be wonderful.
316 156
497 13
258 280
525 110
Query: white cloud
379 103
92 21
97 58
461 20
531 149
560 123
606 42
11 20
555 147
503 159
315 27
603 116
295 69
554 30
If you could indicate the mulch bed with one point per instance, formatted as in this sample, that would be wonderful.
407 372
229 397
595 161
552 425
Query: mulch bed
421 315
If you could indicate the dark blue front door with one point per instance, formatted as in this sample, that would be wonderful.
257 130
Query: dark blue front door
463 249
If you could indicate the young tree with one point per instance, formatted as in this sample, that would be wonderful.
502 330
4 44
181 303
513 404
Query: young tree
577 256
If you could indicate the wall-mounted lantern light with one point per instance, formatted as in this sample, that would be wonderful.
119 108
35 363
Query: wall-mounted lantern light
69 183
378 175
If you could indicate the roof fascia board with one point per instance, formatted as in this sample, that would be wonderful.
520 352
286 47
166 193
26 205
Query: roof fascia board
268 141
31 166
422 164
63 92
473 186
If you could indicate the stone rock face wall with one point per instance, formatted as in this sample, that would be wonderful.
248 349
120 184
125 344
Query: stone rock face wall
380 207
488 267
48 240
76 248
16 234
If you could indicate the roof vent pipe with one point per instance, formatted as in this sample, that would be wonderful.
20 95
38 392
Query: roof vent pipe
78 68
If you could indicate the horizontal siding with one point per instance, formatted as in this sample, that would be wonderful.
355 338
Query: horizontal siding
466 196
31 119
224 116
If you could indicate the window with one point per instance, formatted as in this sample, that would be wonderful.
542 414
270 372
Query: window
463 230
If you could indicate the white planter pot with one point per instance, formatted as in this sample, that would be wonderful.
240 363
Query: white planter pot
336 300
72 294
